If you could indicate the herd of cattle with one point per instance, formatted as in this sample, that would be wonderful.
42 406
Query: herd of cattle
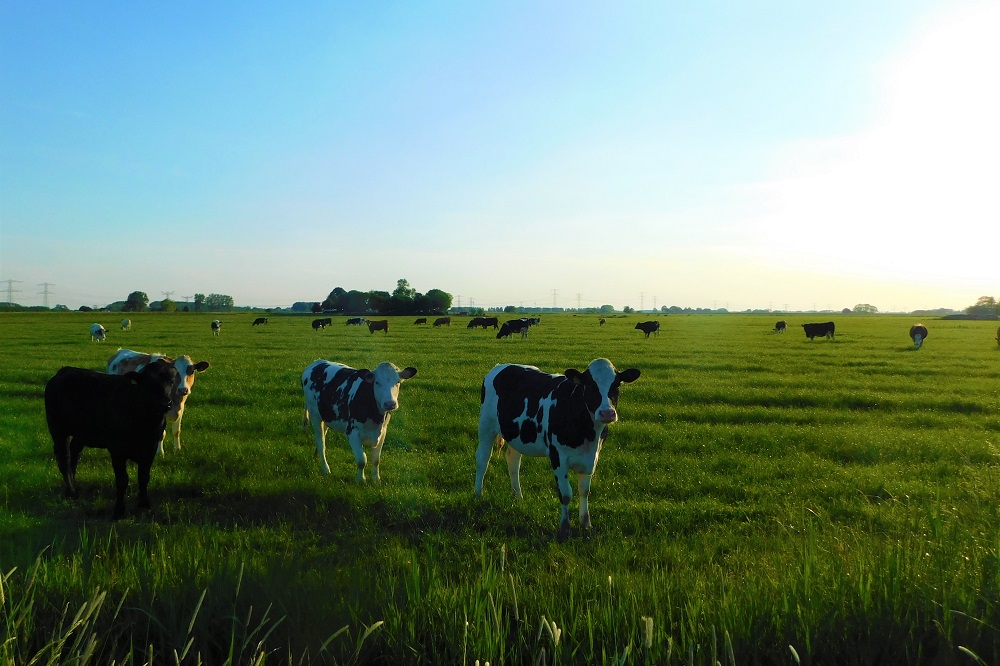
563 417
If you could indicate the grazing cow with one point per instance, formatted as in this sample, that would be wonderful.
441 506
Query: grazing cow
534 321
355 321
357 403
562 417
476 321
918 333
123 414
648 327
490 321
97 332
421 320
216 326
126 324
443 321
321 323
826 329
514 326
602 322
780 327
259 320
998 337
125 361
381 325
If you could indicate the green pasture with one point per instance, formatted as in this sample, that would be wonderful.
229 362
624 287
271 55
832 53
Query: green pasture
764 499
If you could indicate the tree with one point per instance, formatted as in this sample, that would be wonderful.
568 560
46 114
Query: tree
607 309
628 309
336 301
199 302
403 290
168 305
437 301
219 303
865 308
137 301
510 309
317 308
986 306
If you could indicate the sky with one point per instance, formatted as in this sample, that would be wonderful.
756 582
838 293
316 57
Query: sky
747 155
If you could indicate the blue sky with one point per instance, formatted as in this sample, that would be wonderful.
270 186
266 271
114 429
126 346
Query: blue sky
728 154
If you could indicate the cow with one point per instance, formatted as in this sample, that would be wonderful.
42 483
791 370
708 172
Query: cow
648 327
826 329
514 326
126 324
421 320
918 333
602 321
124 414
216 326
358 403
381 325
998 337
780 327
563 417
476 321
443 321
321 323
534 321
98 332
258 321
355 321
490 321
126 360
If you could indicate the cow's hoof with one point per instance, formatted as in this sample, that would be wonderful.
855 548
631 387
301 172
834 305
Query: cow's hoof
563 534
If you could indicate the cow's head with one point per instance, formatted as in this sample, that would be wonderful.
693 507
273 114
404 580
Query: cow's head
157 381
187 370
600 384
386 378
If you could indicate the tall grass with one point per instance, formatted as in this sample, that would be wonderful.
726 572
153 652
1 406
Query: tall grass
764 500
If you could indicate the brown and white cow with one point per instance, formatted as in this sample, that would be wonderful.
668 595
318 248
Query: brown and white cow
918 333
380 325
561 417
126 360
358 403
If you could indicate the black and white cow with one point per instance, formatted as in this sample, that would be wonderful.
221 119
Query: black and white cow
216 326
513 326
780 327
126 324
258 321
321 323
826 329
355 321
918 333
357 403
648 327
562 417
98 332
125 414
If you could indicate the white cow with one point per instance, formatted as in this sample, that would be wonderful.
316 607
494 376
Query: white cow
358 403
126 324
216 326
126 360
97 332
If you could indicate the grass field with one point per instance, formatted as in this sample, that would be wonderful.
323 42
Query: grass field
764 499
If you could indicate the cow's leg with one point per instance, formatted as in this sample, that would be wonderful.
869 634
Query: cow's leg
377 451
584 504
319 430
144 466
514 469
359 453
487 439
565 495
159 447
66 459
175 427
118 463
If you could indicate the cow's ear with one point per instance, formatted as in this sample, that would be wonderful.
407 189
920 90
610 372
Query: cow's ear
574 374
628 376
367 376
406 373
201 366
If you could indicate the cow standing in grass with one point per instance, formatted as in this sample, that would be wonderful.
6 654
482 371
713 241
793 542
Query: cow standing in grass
780 327
826 329
562 417
648 327
380 325
918 333
357 403
98 333
216 326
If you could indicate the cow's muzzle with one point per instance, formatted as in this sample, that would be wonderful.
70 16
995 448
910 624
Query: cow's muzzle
389 405
607 415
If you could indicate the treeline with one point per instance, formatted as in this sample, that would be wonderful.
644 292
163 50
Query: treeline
404 300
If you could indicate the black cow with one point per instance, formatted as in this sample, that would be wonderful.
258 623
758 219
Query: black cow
648 327
514 326
602 321
259 320
562 417
355 321
918 333
125 414
321 323
476 321
825 329
421 320
490 321
780 327
380 325
443 321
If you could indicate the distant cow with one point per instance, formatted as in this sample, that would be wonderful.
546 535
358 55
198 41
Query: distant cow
321 323
355 321
826 329
421 320
216 326
918 333
648 327
381 325
126 324
259 320
476 321
490 321
97 332
124 414
126 360
357 403
602 322
514 326
998 337
534 321
562 417
443 321
780 327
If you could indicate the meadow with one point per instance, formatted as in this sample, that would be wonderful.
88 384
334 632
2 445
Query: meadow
763 500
